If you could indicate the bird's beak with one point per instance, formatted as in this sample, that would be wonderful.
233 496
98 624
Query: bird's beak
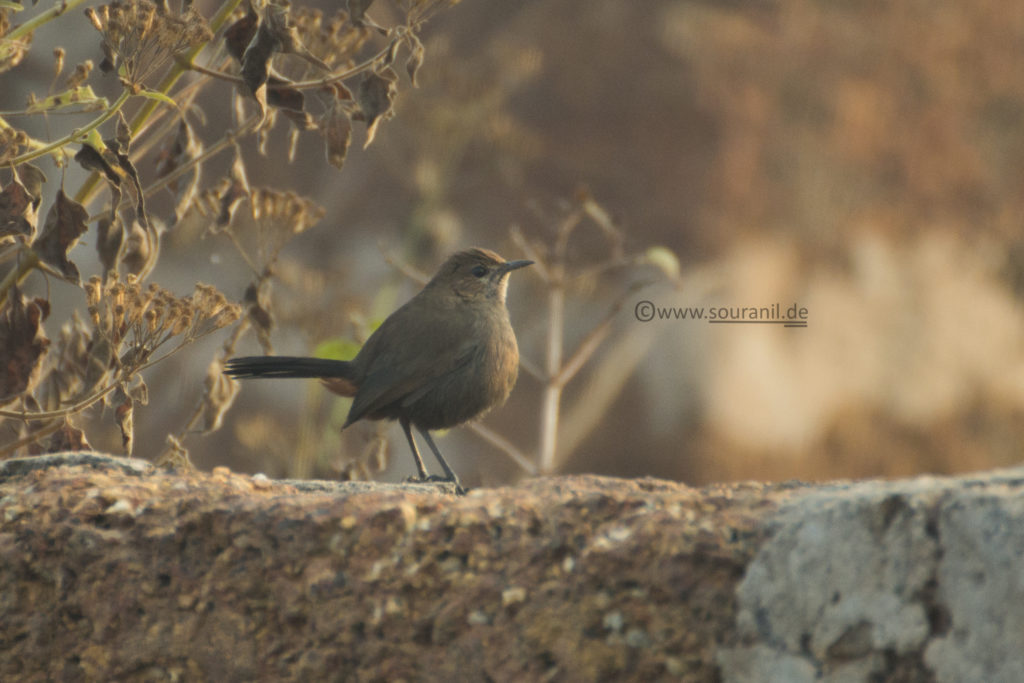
509 266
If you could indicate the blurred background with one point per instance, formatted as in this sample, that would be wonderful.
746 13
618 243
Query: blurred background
864 160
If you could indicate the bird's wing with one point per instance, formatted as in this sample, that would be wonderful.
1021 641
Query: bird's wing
428 348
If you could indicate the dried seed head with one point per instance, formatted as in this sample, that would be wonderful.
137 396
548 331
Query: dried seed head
151 320
336 40
93 289
116 294
58 61
12 142
182 319
95 19
142 37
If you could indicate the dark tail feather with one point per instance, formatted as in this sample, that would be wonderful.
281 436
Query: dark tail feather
287 366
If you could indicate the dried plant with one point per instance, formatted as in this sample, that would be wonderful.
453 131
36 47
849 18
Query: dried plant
142 319
141 37
320 73
562 277
130 323
279 54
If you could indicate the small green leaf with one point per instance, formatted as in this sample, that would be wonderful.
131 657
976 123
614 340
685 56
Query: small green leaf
13 6
159 97
94 140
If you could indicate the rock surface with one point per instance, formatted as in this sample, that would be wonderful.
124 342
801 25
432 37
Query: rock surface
111 569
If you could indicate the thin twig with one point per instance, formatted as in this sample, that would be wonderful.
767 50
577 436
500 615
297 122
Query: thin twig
404 268
26 29
552 394
366 65
75 135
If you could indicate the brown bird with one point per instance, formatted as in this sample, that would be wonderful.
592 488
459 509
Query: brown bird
447 356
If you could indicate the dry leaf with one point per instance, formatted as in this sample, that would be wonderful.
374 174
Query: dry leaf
18 216
23 345
256 62
122 135
265 38
104 162
238 36
19 202
415 61
219 393
290 101
65 223
234 193
257 309
280 93
141 249
33 179
376 96
139 392
118 147
67 438
337 130
93 159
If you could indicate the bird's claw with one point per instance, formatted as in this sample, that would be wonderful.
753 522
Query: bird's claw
438 479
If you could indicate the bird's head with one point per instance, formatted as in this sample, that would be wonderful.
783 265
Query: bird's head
476 274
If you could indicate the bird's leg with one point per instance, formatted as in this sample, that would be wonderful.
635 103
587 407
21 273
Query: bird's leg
444 464
404 421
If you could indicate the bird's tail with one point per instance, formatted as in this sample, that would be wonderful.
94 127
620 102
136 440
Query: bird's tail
287 366
337 375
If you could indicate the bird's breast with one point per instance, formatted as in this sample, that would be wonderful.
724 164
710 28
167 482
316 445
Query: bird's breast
482 382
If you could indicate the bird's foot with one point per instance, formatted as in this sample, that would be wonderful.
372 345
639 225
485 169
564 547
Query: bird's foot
437 479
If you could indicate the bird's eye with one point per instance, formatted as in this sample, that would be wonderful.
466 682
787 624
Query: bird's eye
479 271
